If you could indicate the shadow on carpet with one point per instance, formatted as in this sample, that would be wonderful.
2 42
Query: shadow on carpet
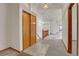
23 54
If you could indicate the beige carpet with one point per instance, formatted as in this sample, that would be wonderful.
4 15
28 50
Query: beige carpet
9 52
39 49
23 54
56 48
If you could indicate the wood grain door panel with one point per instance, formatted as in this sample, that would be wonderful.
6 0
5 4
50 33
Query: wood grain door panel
44 33
25 29
33 29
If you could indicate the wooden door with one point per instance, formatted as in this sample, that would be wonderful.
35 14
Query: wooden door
44 33
25 29
33 30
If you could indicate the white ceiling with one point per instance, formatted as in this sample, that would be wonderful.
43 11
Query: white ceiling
51 12
50 5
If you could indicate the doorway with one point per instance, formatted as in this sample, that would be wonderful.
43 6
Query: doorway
72 29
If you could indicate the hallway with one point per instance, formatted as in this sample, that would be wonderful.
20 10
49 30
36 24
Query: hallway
38 33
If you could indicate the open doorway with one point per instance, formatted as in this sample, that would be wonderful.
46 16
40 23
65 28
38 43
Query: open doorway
72 29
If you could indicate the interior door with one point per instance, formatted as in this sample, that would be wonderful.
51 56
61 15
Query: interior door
25 29
33 29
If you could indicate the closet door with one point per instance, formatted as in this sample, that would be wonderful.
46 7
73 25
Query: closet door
33 30
25 29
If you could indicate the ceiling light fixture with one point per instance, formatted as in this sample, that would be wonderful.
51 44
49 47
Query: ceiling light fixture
45 5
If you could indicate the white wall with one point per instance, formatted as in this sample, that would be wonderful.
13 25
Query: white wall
9 23
3 26
14 23
56 21
74 29
74 22
65 29
39 27
65 25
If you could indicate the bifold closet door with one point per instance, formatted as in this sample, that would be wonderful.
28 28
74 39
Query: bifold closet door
33 30
25 29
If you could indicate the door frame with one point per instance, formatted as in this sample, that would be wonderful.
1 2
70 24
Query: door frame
70 28
77 29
